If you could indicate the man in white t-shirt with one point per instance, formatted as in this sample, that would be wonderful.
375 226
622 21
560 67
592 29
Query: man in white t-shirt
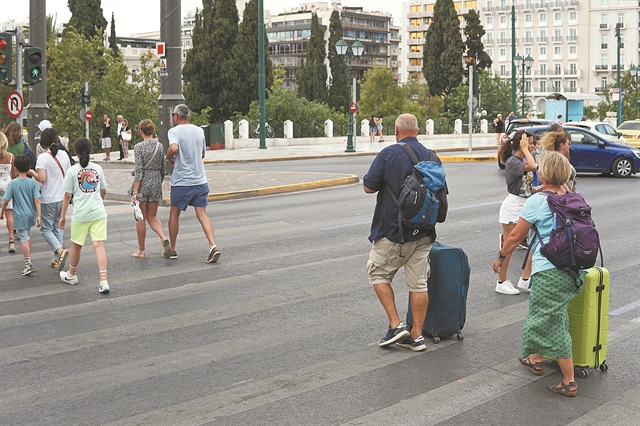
189 185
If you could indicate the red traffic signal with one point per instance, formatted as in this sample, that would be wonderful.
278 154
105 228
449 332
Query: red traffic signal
6 58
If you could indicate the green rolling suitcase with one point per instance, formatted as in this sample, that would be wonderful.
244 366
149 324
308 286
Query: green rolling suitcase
589 322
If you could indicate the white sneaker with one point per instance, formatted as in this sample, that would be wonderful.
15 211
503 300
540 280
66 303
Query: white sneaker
65 277
104 287
524 285
506 288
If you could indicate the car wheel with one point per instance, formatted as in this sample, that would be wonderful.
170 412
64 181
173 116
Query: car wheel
622 167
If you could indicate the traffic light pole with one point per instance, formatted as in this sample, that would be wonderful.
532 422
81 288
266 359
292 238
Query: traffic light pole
471 108
86 108
37 110
19 81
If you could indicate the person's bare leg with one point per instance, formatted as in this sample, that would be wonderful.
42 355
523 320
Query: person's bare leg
152 219
419 303
207 226
107 153
141 229
387 298
174 225
566 367
504 268
101 255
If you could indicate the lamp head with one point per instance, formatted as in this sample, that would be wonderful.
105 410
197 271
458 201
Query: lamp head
528 61
518 61
341 47
357 48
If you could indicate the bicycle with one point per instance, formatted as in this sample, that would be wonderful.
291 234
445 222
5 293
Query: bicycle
268 130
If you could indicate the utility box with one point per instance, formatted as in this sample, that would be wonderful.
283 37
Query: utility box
216 135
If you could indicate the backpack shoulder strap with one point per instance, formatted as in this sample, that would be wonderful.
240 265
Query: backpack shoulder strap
411 153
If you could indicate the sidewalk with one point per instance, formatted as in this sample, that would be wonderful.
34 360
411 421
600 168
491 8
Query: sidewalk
227 184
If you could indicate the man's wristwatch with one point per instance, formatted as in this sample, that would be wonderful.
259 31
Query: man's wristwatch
501 257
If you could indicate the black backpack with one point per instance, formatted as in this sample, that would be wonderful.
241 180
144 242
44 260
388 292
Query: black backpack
423 196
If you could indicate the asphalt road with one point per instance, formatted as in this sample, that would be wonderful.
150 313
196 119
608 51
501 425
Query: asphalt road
283 329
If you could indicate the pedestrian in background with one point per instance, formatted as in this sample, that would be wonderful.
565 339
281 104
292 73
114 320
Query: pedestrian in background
14 135
519 164
380 127
147 187
51 168
499 125
105 137
64 140
7 172
373 128
511 117
387 173
24 194
42 126
189 185
559 141
85 181
545 331
124 143
119 118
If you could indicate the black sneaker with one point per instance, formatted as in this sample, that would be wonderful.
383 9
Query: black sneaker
416 344
524 245
394 334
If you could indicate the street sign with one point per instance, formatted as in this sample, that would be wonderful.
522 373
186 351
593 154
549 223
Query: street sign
472 103
14 104
353 108
163 64
160 49
88 115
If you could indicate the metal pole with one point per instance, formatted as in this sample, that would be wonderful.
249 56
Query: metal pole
470 107
523 70
514 107
350 126
637 75
19 81
261 82
37 110
86 122
171 82
618 75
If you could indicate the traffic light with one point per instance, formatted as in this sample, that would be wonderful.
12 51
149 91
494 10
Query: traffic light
85 96
33 65
618 25
476 81
6 58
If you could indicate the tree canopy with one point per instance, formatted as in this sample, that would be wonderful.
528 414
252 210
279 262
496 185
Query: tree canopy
312 79
474 31
87 17
443 48
339 89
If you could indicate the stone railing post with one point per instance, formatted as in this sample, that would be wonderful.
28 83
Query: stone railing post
228 134
288 129
429 127
328 128
484 126
364 127
457 127
243 129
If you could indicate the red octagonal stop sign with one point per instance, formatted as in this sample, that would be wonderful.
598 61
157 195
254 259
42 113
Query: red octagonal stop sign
88 115
353 108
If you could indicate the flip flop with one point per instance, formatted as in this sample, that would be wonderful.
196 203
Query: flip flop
140 254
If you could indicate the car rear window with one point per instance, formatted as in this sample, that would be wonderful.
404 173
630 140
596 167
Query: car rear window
629 126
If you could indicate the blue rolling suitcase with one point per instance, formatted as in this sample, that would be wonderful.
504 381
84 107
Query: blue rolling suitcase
448 286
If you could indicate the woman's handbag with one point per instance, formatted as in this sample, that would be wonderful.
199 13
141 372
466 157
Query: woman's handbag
125 136
137 213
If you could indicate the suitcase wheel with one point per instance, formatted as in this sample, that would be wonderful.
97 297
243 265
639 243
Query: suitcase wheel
581 372
460 337
436 339
604 367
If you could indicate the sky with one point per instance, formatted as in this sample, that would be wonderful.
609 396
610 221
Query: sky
137 16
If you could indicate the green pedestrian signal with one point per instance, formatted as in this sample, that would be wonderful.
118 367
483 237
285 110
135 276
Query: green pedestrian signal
6 58
33 65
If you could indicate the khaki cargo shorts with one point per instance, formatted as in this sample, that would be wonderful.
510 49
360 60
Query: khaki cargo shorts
384 261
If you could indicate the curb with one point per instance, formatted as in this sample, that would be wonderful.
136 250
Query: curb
281 189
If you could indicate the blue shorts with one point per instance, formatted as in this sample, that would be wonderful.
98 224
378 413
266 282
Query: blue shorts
184 196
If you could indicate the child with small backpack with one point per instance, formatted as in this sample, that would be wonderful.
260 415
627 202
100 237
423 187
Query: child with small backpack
85 181
23 192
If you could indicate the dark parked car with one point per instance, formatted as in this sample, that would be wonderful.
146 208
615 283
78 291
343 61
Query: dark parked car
519 123
591 152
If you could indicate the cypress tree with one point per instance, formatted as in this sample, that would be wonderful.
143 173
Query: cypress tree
223 39
87 17
196 72
443 48
312 79
242 74
113 43
473 32
339 90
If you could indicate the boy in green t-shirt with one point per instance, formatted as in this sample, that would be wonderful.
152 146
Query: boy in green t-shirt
25 195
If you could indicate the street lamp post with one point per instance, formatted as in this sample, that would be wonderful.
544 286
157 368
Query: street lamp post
635 73
525 65
356 50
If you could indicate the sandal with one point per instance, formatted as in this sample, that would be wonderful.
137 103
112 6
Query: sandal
570 389
535 367
12 246
140 254
166 249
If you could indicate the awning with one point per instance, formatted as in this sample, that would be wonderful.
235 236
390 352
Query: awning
572 96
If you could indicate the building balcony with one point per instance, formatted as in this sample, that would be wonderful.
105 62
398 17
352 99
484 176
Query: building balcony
527 40
542 39
394 64
539 73
600 89
601 67
488 42
527 7
503 41
573 89
556 39
487 10
555 72
502 9
543 5
604 46
615 67
604 26
573 73
414 55
572 38
571 4
556 5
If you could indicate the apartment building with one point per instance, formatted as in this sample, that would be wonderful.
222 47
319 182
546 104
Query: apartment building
572 42
395 52
289 34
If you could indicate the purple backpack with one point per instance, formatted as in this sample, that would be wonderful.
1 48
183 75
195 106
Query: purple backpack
574 243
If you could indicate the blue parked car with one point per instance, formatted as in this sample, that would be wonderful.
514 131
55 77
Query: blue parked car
591 152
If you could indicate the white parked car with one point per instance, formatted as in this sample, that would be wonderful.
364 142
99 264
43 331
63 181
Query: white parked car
606 130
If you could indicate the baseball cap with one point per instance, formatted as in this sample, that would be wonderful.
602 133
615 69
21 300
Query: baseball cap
44 124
